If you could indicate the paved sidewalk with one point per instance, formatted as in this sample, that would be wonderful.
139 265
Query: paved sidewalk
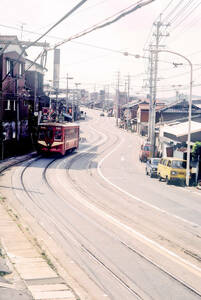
37 278
42 282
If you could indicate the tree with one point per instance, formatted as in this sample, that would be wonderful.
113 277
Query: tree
196 151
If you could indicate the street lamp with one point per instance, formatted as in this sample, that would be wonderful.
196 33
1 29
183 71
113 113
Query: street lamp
189 111
190 103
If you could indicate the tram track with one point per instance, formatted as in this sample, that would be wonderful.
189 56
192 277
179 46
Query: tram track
122 216
124 283
79 242
131 248
85 249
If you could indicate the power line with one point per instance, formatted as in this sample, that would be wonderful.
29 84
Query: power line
181 11
172 11
184 30
151 30
81 43
39 38
36 33
96 27
183 14
61 20
186 16
167 7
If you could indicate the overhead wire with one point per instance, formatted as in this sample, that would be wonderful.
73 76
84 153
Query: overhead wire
172 11
90 45
137 5
77 12
150 32
177 35
44 34
148 40
188 27
176 13
181 11
186 16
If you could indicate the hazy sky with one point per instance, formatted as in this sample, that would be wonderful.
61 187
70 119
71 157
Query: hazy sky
94 67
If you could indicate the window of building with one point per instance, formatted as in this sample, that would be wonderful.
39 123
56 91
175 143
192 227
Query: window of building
20 69
8 105
14 105
9 67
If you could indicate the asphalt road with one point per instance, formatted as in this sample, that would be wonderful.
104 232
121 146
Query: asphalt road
131 235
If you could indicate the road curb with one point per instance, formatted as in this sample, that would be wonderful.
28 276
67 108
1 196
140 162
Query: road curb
7 163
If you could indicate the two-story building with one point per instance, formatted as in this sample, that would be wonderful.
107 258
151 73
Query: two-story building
19 90
143 116
34 80
13 92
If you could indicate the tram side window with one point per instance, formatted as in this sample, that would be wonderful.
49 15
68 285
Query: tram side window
70 133
58 135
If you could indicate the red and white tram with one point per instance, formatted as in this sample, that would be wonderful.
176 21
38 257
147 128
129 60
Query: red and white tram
58 137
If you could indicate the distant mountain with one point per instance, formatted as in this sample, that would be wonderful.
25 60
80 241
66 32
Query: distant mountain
173 99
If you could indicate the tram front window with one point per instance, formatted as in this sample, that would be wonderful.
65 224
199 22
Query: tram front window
49 133
41 135
58 135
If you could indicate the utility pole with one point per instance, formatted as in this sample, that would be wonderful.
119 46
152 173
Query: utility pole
153 117
35 91
57 105
17 110
128 88
67 78
22 29
153 79
150 95
117 98
76 90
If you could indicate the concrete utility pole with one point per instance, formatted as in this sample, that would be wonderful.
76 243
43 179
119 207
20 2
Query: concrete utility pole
150 96
67 78
128 88
35 91
22 28
153 116
153 89
117 97
73 100
17 109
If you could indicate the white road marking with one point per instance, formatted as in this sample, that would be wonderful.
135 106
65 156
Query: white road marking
129 229
118 223
134 197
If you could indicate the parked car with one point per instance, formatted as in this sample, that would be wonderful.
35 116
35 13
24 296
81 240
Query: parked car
145 152
102 114
152 166
172 169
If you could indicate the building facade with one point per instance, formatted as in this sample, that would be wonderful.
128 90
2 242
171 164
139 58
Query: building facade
13 92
